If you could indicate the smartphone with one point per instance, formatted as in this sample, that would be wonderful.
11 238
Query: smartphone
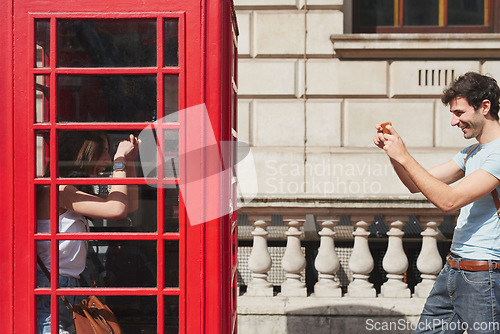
384 127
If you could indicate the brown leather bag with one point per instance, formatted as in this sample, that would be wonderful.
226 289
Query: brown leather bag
92 316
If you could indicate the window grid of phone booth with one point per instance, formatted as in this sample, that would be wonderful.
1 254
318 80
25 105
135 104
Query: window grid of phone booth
64 76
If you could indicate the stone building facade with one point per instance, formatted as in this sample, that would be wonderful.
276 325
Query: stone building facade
310 93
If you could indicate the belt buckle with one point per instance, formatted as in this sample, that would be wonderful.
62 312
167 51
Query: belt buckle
453 263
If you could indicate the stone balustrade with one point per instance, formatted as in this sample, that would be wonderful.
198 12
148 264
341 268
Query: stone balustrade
361 263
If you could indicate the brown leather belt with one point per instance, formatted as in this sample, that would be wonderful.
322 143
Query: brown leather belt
473 265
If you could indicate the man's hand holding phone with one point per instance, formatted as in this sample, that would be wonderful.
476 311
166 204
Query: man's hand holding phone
389 140
384 127
382 130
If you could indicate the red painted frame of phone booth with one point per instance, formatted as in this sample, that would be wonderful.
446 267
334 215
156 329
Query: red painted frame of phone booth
207 75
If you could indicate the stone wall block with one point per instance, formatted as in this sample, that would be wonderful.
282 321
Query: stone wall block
447 135
280 172
350 174
278 123
360 173
323 123
279 32
332 77
412 119
426 78
491 68
269 3
270 77
244 120
244 28
325 3
320 25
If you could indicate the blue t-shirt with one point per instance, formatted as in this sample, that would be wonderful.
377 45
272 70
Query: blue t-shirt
477 234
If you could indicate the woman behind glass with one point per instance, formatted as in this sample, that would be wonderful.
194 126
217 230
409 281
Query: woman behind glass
81 154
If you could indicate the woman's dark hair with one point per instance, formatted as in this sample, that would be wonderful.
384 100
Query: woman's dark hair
475 88
78 152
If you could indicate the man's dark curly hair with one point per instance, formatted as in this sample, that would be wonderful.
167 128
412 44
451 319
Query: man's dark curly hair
475 88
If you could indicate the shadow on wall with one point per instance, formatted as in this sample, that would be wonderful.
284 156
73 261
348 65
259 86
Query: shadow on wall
332 319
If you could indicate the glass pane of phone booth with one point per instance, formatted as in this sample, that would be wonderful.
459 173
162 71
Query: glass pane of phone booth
106 98
106 43
109 224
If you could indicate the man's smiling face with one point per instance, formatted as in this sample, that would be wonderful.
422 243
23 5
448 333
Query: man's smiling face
464 116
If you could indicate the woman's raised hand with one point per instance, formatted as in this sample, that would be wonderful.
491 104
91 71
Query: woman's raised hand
128 149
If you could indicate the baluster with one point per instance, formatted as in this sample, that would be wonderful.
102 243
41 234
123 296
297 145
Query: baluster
395 262
327 262
361 261
259 261
429 261
293 261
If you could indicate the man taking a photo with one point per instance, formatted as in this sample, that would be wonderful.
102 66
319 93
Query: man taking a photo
468 288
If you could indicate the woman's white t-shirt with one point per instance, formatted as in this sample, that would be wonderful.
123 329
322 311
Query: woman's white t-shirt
72 253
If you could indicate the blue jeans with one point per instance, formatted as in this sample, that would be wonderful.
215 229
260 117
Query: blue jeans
43 306
462 300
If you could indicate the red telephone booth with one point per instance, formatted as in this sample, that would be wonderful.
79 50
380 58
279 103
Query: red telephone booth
161 69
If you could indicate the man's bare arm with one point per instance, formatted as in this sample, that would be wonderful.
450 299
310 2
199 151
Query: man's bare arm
448 172
447 198
471 188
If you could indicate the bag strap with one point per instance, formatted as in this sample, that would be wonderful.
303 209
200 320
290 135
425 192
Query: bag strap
494 193
92 254
47 273
472 148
